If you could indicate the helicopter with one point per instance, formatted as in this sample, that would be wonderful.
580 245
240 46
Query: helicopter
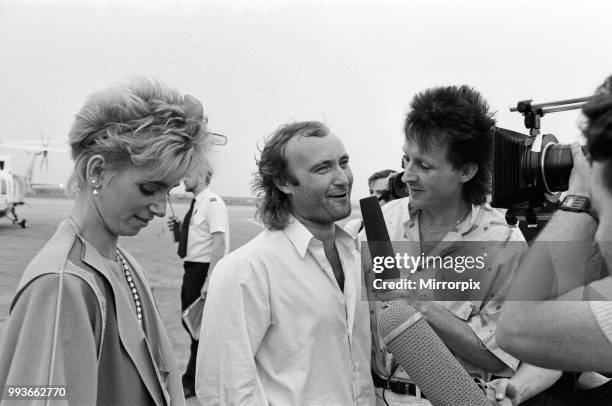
13 187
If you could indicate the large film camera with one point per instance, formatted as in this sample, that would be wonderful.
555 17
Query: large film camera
531 171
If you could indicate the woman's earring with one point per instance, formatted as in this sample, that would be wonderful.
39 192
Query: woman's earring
95 191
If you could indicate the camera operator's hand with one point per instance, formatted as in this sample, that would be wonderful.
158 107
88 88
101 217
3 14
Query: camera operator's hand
581 173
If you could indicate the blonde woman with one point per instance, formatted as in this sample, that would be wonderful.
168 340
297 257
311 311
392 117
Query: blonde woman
84 315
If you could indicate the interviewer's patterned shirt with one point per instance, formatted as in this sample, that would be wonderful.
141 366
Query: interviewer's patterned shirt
483 224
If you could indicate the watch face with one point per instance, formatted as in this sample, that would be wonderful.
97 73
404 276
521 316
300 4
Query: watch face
570 201
575 202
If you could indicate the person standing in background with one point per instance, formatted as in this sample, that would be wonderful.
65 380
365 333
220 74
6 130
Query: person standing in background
378 185
204 240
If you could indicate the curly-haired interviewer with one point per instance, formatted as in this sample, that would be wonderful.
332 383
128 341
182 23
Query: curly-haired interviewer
84 315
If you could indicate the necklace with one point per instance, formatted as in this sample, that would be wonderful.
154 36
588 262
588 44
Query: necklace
130 281
126 271
447 228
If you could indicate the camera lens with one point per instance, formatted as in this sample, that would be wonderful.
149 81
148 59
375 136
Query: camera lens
557 167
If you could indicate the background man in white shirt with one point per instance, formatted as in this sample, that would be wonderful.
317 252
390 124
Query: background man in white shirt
204 240
285 323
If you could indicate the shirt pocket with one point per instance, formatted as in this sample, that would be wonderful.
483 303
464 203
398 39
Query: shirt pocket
197 218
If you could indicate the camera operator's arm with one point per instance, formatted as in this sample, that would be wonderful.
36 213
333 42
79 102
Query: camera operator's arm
560 334
557 334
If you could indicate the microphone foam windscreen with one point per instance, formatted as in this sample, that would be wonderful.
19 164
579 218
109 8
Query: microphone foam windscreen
427 360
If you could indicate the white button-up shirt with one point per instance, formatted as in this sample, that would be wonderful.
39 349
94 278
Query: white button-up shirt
209 216
278 330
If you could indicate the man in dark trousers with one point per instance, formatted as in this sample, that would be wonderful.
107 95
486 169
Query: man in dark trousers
204 240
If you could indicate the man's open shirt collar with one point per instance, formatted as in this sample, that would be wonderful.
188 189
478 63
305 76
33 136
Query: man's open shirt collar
301 237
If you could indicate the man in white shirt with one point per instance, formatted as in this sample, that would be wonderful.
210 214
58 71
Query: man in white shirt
204 240
285 323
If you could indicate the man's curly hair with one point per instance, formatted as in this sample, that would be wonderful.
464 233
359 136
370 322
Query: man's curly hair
274 207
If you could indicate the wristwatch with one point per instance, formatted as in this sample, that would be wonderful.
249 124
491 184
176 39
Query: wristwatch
576 203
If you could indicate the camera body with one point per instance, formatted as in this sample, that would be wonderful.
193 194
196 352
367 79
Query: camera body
528 172
397 188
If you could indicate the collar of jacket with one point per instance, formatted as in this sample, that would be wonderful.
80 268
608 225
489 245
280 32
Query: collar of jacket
155 366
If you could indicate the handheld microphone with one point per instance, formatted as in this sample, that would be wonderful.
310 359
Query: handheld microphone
423 355
379 242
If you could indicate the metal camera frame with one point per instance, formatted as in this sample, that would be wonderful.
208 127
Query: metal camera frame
532 114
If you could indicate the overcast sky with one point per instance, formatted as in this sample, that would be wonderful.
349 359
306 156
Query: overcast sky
256 64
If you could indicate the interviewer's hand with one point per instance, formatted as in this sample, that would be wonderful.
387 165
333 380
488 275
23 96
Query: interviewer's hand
581 173
502 392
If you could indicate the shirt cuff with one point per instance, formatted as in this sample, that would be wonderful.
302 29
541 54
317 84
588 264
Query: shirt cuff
488 340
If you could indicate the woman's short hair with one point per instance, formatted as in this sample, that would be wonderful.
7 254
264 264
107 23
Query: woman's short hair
460 118
274 206
142 123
